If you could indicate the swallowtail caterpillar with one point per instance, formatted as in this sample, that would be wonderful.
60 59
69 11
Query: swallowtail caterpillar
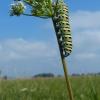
62 26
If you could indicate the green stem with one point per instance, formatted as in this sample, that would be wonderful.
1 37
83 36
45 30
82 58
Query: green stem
43 17
64 67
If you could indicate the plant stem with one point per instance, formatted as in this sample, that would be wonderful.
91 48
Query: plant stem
64 66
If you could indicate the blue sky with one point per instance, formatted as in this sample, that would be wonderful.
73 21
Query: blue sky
28 44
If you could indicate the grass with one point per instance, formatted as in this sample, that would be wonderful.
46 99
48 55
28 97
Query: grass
85 88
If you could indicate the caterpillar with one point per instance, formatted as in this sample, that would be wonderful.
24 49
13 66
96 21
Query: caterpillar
62 26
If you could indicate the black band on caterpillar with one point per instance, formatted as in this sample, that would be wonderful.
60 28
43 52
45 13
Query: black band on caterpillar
62 26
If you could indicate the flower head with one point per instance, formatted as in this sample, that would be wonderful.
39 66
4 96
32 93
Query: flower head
17 8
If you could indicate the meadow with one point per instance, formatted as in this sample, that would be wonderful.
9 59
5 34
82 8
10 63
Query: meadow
84 88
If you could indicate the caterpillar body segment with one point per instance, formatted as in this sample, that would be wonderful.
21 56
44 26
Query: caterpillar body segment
62 26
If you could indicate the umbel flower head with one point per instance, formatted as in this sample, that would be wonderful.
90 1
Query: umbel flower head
37 8
17 8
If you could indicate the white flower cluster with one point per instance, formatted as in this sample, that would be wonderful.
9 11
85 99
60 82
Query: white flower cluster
17 8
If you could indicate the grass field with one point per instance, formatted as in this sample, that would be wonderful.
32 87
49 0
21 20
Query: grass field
85 88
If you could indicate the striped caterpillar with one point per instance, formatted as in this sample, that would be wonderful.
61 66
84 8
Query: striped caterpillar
61 22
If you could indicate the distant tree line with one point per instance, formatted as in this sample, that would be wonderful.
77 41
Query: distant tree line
83 74
44 75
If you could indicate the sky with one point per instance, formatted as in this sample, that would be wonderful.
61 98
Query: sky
28 45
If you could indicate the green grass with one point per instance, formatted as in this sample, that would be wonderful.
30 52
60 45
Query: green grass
85 88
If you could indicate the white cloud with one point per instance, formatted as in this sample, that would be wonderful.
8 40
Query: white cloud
0 47
85 56
85 20
23 49
87 38
86 34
